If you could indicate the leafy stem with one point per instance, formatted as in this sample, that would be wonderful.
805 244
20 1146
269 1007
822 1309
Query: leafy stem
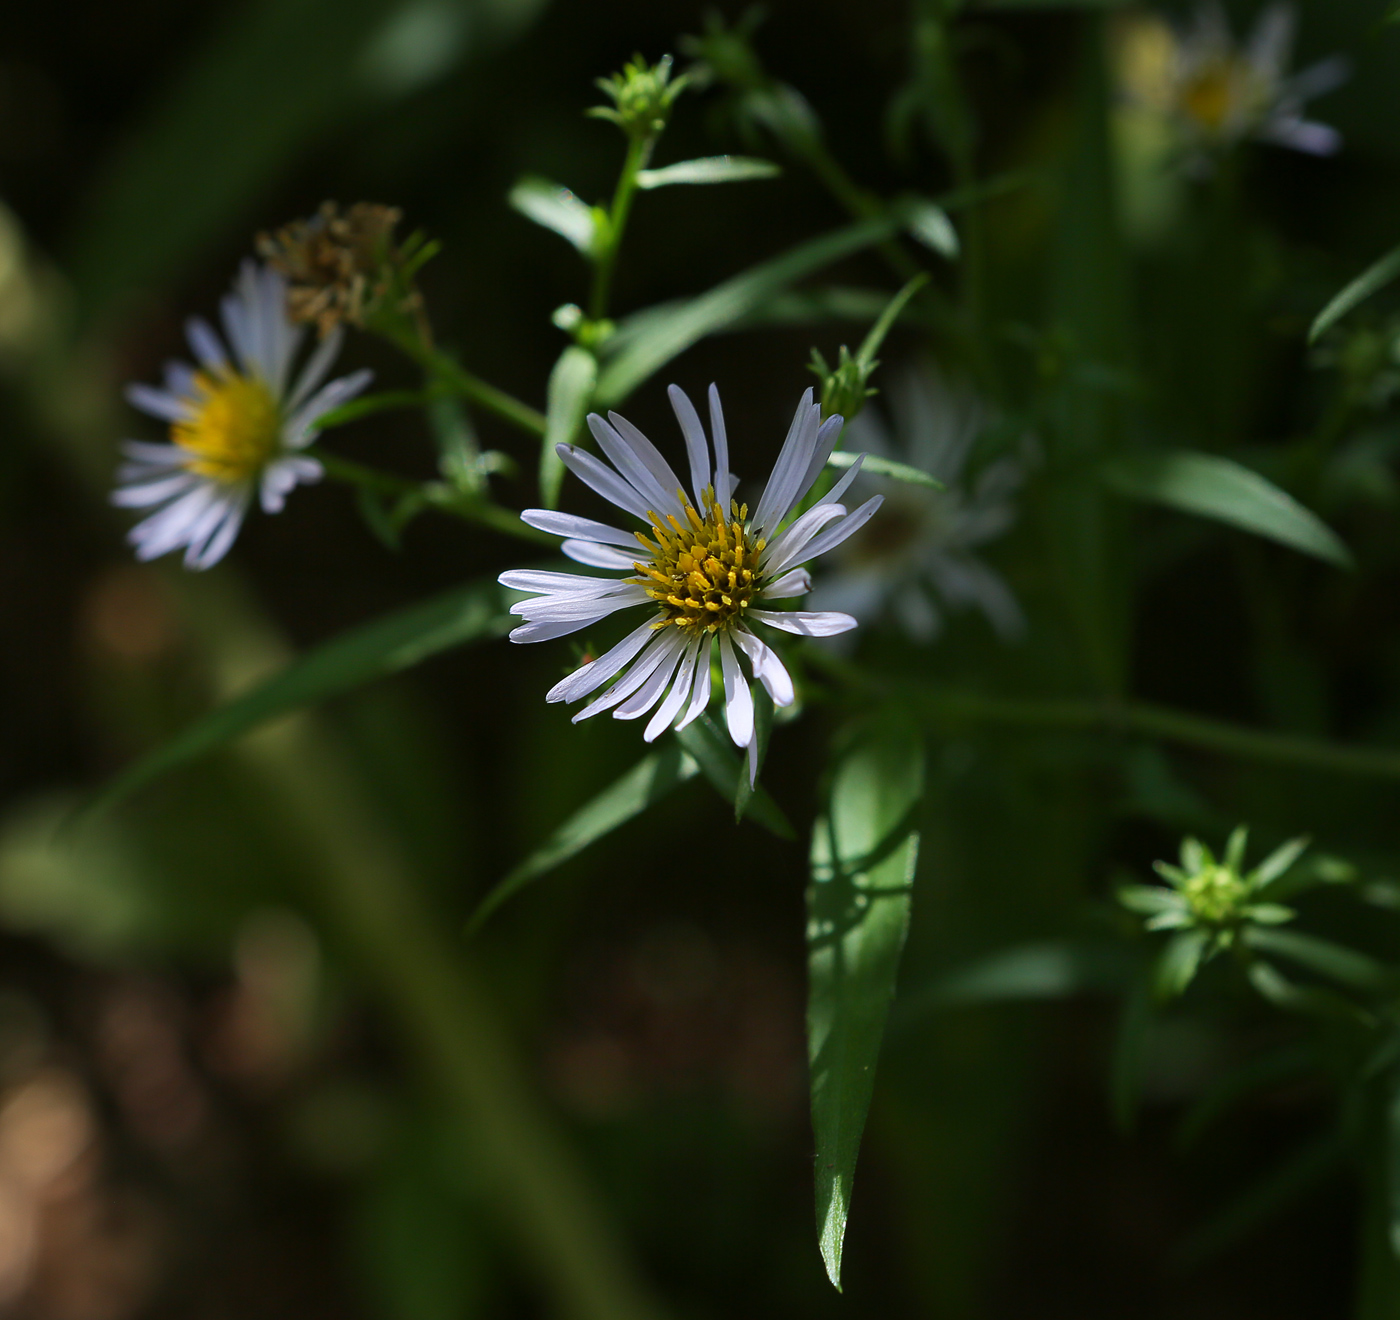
605 261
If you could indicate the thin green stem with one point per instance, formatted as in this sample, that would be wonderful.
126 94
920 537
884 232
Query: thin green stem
638 153
433 494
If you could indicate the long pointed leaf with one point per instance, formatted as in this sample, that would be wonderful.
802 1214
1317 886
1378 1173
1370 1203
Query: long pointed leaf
1215 487
568 395
1371 280
387 645
724 768
863 857
652 338
650 780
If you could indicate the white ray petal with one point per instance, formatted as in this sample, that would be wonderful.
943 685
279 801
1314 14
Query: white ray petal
848 526
576 528
588 678
601 478
795 582
600 556
300 428
667 643
696 447
700 692
724 482
767 667
679 694
806 623
159 403
631 468
317 365
649 693
793 540
205 345
558 584
139 496
738 700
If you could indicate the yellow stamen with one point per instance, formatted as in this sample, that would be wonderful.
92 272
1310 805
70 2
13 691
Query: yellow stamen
235 429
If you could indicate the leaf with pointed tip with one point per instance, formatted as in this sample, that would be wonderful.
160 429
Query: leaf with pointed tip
650 780
708 169
724 768
555 207
567 398
647 340
864 851
1352 968
1215 487
386 646
929 223
876 466
1371 280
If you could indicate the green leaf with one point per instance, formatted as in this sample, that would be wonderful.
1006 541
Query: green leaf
386 646
566 402
1150 899
763 729
863 857
929 223
876 466
555 207
1358 970
1277 862
1218 488
1269 914
1180 961
1315 1001
1371 280
723 767
646 341
1235 847
650 780
1392 1159
708 169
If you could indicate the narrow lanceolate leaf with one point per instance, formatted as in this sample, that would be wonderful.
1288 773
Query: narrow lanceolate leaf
1357 970
708 169
1371 280
566 402
863 856
1218 488
876 466
555 207
395 642
650 780
724 768
648 340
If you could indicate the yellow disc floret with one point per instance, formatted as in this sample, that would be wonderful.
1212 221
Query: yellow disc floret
235 429
703 572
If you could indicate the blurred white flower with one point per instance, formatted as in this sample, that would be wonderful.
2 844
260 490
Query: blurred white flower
703 568
920 559
1215 91
237 425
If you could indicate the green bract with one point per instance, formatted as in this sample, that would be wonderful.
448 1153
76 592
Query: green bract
642 96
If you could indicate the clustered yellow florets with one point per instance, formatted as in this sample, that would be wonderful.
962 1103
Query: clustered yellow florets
703 572
234 430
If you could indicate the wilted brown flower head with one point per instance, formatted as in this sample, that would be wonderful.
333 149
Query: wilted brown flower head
339 263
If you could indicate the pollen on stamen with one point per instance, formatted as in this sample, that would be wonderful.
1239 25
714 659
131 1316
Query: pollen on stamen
700 568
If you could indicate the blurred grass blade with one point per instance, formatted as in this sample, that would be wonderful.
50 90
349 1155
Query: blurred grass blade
651 338
1371 280
876 466
397 641
1218 488
567 399
650 780
929 223
1358 970
708 169
722 766
555 207
863 857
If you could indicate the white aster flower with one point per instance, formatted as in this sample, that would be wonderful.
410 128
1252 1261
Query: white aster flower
704 569
920 558
237 425
1219 92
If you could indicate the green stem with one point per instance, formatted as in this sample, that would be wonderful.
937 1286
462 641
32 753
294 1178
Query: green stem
434 494
638 153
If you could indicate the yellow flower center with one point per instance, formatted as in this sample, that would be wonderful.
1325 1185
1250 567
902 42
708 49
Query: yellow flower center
702 571
1223 90
235 430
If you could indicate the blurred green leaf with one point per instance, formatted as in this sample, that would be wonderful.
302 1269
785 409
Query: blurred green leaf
1179 961
647 340
650 780
864 853
722 766
876 466
929 223
555 207
1218 488
1358 970
567 400
1371 280
708 169
395 642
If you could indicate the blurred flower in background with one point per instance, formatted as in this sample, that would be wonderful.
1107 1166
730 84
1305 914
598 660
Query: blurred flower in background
235 425
1214 92
919 559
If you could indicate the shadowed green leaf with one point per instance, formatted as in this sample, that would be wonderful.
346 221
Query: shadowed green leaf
398 641
1358 970
1371 280
708 169
646 341
863 857
650 780
555 207
723 766
569 394
1218 488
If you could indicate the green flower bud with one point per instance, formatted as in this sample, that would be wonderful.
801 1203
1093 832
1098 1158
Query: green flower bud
843 389
641 97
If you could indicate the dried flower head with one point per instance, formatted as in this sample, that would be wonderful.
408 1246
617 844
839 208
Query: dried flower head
339 264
